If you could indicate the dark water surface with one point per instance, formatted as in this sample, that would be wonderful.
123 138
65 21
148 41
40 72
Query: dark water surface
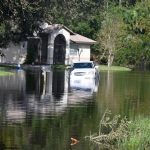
40 111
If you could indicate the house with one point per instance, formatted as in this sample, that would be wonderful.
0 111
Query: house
56 44
14 53
53 44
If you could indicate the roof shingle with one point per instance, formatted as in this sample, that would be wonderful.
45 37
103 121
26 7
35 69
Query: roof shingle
77 38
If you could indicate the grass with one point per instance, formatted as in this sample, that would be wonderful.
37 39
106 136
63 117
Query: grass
119 134
62 67
139 135
113 68
4 73
101 67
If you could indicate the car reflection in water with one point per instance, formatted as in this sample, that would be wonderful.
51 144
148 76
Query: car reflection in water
84 84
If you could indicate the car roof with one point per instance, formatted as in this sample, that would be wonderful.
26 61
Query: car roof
83 62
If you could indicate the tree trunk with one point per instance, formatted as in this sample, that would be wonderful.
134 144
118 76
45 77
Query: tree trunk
110 59
120 3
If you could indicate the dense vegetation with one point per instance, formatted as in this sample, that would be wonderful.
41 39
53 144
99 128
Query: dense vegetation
121 27
119 134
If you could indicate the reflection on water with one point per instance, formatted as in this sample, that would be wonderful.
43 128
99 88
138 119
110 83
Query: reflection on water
82 89
32 104
43 110
125 93
39 93
53 96
90 84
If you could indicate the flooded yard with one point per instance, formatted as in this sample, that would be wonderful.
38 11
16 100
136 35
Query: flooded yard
43 111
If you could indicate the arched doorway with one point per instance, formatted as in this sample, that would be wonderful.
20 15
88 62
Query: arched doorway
59 50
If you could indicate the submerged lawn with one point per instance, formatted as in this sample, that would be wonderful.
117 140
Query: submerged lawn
113 68
4 73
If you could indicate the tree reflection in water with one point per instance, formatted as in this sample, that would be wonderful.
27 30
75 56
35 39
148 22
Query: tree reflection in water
31 117
35 111
40 93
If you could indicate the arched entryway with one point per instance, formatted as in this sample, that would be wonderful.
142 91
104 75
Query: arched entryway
59 49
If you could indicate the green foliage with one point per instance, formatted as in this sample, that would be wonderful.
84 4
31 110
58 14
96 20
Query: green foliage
23 17
139 135
130 45
119 134
83 28
110 34
121 27
111 130
20 18
135 46
4 34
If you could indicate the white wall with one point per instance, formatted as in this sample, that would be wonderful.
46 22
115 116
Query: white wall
84 50
14 53
51 39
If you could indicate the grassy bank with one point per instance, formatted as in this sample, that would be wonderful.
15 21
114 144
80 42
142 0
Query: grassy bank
101 67
4 73
119 134
138 137
113 68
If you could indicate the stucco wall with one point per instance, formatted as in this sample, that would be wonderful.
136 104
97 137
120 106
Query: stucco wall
14 53
52 37
84 51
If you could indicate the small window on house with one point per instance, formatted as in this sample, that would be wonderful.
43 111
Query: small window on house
73 51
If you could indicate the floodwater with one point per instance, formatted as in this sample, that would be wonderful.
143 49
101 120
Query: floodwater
41 111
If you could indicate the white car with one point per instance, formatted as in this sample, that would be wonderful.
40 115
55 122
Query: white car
83 74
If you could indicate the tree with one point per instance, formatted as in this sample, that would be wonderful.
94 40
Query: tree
110 34
135 46
19 18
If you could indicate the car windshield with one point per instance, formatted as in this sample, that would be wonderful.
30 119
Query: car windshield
82 65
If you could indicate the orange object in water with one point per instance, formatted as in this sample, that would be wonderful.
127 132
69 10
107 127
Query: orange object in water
74 141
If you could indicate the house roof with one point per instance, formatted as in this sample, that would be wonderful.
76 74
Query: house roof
74 37
50 28
77 38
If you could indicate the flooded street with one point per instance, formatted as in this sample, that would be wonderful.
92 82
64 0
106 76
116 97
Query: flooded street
42 110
